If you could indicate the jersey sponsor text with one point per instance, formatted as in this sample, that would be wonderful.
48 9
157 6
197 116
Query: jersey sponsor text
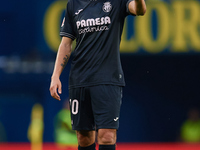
93 25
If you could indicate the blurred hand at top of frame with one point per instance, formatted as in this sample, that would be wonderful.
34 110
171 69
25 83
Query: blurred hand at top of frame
55 88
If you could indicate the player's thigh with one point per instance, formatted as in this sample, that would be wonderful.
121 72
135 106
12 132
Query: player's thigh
81 109
106 104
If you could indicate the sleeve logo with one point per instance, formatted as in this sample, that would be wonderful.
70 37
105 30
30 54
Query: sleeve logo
107 7
63 22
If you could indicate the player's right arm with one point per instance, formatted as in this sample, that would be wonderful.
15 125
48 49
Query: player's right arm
64 52
137 7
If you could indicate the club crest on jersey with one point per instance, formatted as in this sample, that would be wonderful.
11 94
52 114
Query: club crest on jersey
107 7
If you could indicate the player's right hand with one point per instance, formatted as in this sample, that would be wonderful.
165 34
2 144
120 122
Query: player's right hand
55 88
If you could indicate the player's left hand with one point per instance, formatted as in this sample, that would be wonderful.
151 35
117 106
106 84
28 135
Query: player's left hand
54 87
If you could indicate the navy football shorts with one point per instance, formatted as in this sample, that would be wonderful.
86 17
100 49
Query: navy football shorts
95 107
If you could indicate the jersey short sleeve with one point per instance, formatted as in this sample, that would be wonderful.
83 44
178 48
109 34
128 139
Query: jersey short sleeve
66 29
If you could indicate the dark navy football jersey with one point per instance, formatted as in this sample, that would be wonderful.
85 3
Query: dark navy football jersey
97 27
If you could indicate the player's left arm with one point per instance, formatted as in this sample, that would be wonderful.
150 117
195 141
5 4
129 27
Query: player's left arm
137 7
